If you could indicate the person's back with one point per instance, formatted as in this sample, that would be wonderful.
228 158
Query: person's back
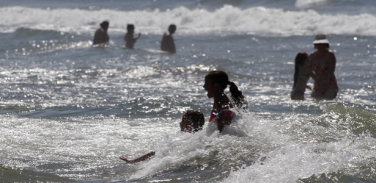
303 76
167 43
101 35
129 41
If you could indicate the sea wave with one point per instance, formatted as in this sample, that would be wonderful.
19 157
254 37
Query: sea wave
227 19
25 175
27 32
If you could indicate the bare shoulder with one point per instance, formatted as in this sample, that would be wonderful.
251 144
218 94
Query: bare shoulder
100 30
312 55
166 33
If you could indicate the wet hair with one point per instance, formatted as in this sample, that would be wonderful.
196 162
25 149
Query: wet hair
195 119
221 78
299 61
105 24
172 28
130 27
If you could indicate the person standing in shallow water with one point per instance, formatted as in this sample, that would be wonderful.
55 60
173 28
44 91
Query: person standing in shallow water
302 73
101 35
167 43
129 39
323 63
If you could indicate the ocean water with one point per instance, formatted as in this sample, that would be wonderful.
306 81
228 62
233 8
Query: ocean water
68 110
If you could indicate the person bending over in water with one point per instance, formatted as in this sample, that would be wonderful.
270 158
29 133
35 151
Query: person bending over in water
192 121
323 64
302 73
101 35
167 43
129 39
215 84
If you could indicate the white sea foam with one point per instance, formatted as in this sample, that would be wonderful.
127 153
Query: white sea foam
255 20
292 160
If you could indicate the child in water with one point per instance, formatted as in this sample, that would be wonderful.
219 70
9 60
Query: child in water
215 84
192 121
302 73
129 39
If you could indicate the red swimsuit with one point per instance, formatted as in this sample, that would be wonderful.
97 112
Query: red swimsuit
214 116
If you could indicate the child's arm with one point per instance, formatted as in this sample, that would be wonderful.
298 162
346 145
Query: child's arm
136 37
139 35
142 158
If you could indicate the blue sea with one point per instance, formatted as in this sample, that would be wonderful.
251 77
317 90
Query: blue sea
69 110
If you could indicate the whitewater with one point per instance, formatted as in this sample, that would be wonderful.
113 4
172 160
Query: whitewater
69 110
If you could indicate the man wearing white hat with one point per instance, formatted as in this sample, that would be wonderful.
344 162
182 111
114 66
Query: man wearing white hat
323 63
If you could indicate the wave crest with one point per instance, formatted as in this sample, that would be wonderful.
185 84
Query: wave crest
227 19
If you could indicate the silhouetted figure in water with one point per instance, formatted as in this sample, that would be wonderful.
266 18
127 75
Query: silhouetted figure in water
302 74
129 39
222 113
167 43
101 35
323 64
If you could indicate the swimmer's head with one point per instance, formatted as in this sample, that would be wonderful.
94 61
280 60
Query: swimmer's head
219 77
192 121
301 58
130 27
172 28
105 25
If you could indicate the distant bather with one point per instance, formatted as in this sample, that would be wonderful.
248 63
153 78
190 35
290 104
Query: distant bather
101 35
129 39
167 43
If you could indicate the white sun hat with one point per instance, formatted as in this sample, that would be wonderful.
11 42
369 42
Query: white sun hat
320 39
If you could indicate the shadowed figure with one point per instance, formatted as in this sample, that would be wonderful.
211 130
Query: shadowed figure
167 43
302 74
323 64
101 35
129 39
222 114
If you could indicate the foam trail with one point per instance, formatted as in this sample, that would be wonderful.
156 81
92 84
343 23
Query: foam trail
293 161
255 20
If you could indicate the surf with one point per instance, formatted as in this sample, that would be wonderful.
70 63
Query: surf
227 19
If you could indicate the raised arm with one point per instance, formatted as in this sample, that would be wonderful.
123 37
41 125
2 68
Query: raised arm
139 35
